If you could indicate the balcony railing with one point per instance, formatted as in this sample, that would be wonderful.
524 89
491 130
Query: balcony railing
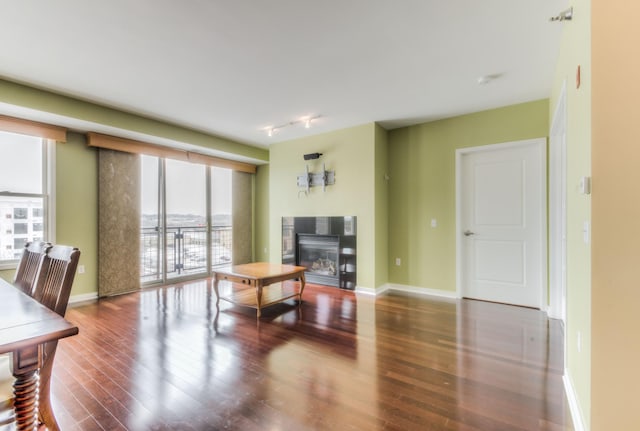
186 250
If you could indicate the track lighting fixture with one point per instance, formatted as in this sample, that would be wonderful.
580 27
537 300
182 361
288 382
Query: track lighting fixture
565 15
304 120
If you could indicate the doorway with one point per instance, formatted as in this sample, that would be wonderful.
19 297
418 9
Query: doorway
501 223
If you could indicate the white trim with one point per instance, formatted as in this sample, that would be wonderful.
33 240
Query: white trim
406 288
367 291
424 291
542 146
558 209
75 299
574 405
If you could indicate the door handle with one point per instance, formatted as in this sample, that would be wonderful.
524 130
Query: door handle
468 233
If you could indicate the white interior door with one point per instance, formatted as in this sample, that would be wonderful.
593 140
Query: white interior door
502 222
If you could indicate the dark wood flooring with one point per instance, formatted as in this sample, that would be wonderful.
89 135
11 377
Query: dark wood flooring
163 359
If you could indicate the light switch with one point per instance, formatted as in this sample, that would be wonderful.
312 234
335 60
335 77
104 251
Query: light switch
585 185
434 222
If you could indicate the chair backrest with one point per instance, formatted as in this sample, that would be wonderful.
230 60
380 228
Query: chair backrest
28 266
55 277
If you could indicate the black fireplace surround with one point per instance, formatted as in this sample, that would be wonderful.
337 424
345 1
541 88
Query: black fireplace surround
326 246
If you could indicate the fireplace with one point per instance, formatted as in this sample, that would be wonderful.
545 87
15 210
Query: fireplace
326 246
319 254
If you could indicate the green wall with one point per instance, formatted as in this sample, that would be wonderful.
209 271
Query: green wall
77 207
351 153
422 187
381 206
575 49
45 101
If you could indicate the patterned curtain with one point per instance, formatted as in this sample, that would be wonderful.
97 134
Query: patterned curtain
242 192
118 222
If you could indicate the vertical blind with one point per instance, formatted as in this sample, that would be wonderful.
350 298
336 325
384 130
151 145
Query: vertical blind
118 222
242 198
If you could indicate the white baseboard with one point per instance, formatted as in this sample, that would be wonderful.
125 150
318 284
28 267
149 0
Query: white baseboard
574 406
404 288
83 297
423 291
365 291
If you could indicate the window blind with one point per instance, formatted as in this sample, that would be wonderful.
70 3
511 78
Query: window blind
33 128
137 147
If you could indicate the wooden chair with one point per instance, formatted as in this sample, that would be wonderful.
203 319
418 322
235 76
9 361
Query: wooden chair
53 282
28 266
24 280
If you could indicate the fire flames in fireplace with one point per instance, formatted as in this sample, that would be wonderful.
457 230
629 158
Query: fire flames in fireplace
324 267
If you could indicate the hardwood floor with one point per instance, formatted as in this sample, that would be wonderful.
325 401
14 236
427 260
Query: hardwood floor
163 359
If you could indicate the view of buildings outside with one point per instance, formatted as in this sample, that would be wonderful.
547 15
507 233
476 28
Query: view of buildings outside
22 193
21 221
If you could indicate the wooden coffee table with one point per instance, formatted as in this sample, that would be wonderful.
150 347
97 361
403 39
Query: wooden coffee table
254 284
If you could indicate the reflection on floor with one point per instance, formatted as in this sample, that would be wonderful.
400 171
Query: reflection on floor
165 359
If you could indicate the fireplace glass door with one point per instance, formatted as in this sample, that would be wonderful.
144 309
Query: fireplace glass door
319 254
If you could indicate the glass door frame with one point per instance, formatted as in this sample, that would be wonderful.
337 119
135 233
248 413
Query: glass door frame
163 261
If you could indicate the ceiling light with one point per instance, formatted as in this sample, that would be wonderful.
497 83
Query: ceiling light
306 120
485 79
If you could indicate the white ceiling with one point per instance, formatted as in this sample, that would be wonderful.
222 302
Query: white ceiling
235 68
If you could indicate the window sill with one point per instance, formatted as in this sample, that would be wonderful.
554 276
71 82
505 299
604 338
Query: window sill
8 265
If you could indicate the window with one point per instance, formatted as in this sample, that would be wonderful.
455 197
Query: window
20 213
20 228
23 194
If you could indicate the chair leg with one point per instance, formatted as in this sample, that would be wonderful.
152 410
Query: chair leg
45 411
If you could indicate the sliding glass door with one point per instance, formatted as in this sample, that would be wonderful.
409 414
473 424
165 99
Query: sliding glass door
221 244
151 244
186 219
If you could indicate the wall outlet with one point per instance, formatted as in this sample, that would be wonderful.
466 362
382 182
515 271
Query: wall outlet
398 262
80 269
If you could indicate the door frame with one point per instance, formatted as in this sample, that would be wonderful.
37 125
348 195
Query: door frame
460 152
558 209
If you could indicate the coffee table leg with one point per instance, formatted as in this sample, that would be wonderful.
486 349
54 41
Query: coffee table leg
302 283
259 300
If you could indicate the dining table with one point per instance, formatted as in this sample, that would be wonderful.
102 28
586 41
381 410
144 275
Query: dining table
25 327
